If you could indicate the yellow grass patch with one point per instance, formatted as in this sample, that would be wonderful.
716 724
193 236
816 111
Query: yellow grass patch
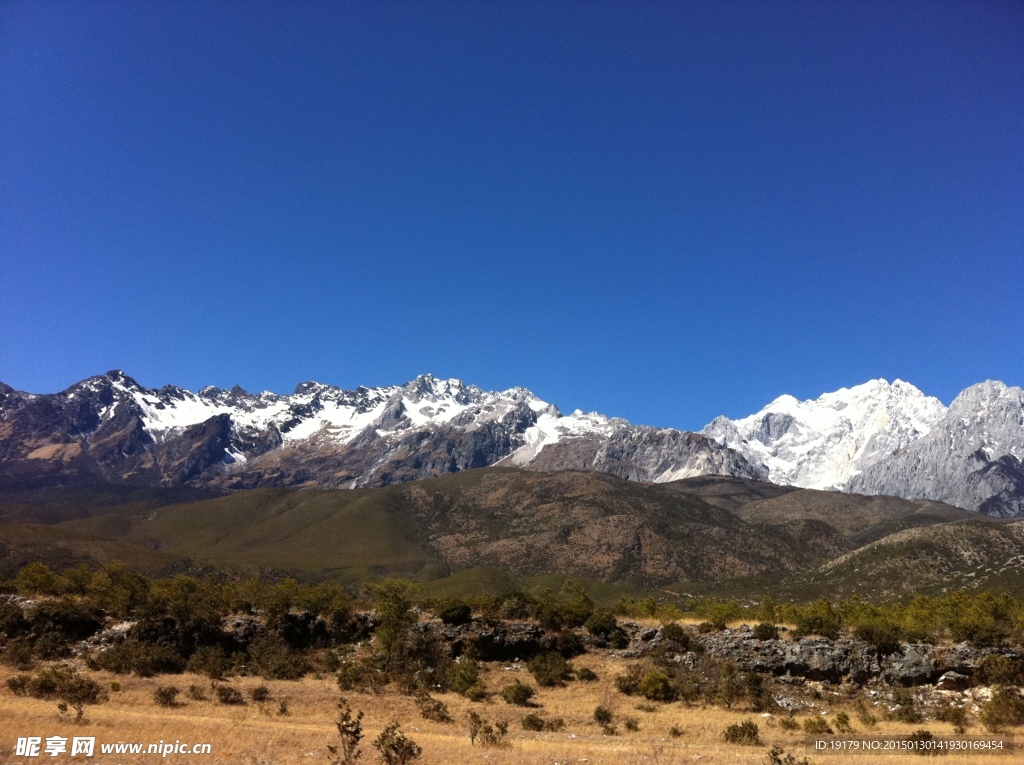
255 734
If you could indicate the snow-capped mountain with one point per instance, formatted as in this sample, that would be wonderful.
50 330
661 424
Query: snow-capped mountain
890 438
109 428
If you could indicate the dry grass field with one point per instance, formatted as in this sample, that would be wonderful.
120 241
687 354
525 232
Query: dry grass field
256 734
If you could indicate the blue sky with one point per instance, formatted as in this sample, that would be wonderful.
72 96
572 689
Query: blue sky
661 211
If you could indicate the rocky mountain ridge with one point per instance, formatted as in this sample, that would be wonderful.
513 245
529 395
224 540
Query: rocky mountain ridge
890 438
874 438
110 429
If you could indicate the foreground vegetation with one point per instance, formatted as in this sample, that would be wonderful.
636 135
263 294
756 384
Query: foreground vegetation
119 654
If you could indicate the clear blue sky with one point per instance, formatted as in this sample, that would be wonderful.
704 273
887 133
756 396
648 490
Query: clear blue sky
661 211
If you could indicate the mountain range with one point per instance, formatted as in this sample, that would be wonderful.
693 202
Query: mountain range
876 438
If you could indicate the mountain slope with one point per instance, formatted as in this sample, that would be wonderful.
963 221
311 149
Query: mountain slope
525 523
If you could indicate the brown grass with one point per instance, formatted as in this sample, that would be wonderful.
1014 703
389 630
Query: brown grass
255 735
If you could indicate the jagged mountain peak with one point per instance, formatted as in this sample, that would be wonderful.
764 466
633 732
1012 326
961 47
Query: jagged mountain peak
822 443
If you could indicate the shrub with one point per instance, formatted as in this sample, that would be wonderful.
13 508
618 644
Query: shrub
631 724
259 694
884 636
142 659
166 695
464 674
532 722
905 708
864 715
282 708
273 660
746 733
765 631
209 660
432 709
729 684
705 627
455 612
350 733
629 682
359 676
196 693
586 674
603 715
819 618
18 654
953 713
1006 707
922 736
999 670
554 725
518 694
842 722
65 684
677 635
489 735
778 756
758 695
655 686
789 723
395 748
817 726
12 619
550 669
64 619
675 731
18 684
228 695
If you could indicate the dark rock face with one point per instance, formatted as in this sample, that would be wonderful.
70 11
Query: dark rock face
511 641
818 658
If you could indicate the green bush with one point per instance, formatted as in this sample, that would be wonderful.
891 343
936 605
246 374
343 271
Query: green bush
228 695
209 660
273 660
1000 670
586 674
518 694
142 659
631 724
677 634
260 694
532 722
455 612
1005 708
603 715
432 709
629 682
817 726
842 722
765 631
12 620
656 686
196 693
166 695
905 707
550 669
884 636
746 733
18 684
464 675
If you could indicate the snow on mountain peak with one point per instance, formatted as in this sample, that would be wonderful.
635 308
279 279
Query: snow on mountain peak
821 443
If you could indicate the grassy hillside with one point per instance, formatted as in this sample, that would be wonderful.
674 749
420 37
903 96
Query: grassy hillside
488 529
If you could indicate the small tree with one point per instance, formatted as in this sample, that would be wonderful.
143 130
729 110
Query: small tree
350 731
395 747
